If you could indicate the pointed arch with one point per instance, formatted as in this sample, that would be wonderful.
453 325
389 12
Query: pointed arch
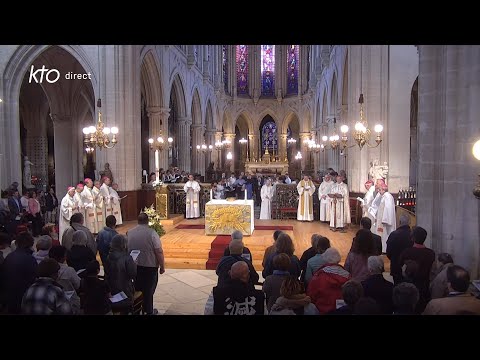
196 109
151 81
179 90
209 123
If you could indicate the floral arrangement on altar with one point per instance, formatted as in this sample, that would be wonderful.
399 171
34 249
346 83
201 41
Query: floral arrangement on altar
156 184
154 220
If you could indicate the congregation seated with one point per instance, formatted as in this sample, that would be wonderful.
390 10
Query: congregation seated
121 271
271 249
79 254
366 306
352 291
238 235
362 248
43 245
273 283
376 287
226 262
308 254
284 244
325 287
405 297
399 240
46 296
459 300
366 223
236 295
293 300
5 245
316 261
19 272
439 284
96 292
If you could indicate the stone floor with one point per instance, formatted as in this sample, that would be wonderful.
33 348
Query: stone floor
185 292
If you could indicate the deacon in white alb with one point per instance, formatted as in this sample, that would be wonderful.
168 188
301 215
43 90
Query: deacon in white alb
305 189
368 200
88 199
105 194
386 219
266 193
99 205
77 197
67 209
340 206
323 191
192 188
115 201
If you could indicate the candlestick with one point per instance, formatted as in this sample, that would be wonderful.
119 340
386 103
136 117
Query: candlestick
156 166
211 194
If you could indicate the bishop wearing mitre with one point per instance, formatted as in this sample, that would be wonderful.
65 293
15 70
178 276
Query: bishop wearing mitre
192 188
340 205
305 189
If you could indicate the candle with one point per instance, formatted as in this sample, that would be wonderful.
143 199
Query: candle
156 166
245 195
211 194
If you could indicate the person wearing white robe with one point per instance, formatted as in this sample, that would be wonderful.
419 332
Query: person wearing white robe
266 194
68 207
368 199
99 205
78 200
115 201
192 188
305 189
323 191
105 194
88 199
340 206
386 221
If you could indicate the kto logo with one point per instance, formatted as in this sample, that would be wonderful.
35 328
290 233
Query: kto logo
51 76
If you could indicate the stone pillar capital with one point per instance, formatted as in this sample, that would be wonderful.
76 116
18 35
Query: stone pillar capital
196 126
184 120
60 118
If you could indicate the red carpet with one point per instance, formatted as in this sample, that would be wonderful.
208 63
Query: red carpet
221 242
257 227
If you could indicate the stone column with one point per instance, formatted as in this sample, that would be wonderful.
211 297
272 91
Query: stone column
217 155
37 145
198 158
304 149
210 140
184 150
448 92
282 147
155 129
230 163
253 147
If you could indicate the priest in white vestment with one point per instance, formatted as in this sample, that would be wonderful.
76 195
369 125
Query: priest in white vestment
368 199
67 209
88 199
323 191
192 188
305 189
340 205
115 201
77 197
386 220
105 194
266 194
99 205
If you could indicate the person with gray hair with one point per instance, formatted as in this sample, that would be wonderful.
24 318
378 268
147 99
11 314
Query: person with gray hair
235 253
397 241
308 254
376 287
76 224
439 285
247 254
325 287
121 271
405 298
79 254
44 244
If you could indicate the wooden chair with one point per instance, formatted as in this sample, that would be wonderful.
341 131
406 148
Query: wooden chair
355 212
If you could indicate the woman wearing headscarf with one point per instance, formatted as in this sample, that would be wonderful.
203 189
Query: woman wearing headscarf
79 255
121 270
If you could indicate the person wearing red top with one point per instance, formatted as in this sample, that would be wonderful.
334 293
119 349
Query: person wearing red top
325 287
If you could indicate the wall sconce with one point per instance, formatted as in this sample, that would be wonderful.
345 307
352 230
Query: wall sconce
476 154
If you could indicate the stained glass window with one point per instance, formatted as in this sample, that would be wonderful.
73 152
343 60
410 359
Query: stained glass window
268 70
242 69
292 70
225 67
269 137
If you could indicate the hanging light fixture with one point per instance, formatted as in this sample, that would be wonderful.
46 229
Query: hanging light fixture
99 135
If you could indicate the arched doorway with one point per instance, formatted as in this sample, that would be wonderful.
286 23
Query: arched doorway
52 115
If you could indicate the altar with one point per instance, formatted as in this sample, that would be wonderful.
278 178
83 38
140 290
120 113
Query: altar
223 217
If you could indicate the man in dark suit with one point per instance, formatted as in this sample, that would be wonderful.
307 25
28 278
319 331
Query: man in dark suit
376 287
15 205
366 223
398 241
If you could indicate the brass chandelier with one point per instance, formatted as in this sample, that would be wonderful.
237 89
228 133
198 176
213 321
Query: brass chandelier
99 135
